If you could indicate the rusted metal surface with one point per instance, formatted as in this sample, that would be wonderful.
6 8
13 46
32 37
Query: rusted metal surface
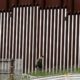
40 2
25 2
53 2
5 4
12 2
77 5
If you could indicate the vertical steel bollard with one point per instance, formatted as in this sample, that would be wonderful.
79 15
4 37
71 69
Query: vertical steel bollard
11 76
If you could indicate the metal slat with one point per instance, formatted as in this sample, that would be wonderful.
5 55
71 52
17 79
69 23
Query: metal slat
28 37
13 28
5 35
7 26
1 35
6 51
79 45
54 25
61 39
5 56
16 42
21 48
23 32
33 38
10 37
27 9
57 47
43 37
19 55
37 23
76 25
68 42
50 42
4 14
40 33
46 68
71 65
29 40
65 22
9 15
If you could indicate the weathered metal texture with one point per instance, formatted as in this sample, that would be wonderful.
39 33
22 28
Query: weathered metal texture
41 3
6 4
11 3
26 2
77 5
3 4
68 4
31 32
52 3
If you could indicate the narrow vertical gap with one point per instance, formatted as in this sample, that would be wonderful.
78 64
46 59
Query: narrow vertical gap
18 31
66 39
35 37
5 34
38 33
52 38
11 35
74 42
15 31
77 42
70 42
41 34
1 35
24 60
59 37
45 39
56 39
63 38
8 36
48 37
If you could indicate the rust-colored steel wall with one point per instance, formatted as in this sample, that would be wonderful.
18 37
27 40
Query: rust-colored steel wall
53 2
26 2
40 2
12 2
6 4
77 5
68 4
3 4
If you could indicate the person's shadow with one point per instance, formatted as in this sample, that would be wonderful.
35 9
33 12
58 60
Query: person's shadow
39 64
